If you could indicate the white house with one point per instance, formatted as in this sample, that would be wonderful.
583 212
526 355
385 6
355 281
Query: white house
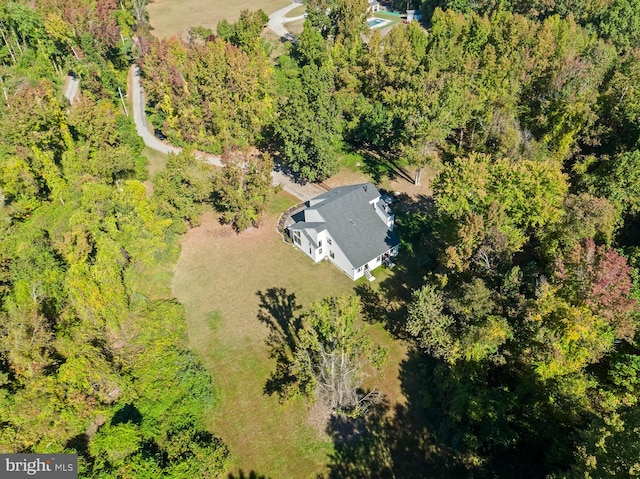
374 6
351 226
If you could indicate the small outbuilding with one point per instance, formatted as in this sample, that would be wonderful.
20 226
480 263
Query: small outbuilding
374 6
351 226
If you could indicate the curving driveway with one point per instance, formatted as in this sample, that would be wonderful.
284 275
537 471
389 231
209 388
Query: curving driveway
136 93
278 18
140 118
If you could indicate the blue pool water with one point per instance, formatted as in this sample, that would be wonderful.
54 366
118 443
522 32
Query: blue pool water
374 22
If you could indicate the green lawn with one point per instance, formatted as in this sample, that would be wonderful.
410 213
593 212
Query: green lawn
394 18
175 17
296 27
296 11
217 279
156 161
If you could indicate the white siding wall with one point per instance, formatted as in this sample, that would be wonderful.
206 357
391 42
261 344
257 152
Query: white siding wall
320 250
308 245
339 258
302 241
314 245
373 264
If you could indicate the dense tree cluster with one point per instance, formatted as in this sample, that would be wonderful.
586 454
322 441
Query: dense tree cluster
242 188
211 95
525 328
323 354
531 306
615 20
93 357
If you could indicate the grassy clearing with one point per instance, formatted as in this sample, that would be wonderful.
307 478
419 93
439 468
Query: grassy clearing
352 161
388 16
156 161
280 202
296 11
175 17
295 27
217 280
393 18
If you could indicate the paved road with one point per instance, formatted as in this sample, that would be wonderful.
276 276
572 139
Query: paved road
301 191
140 118
277 20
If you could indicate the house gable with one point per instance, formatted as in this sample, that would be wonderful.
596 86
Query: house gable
348 225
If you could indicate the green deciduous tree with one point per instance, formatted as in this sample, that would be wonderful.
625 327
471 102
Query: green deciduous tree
584 216
328 356
462 327
618 22
308 123
348 20
479 199
181 188
245 33
428 323
610 447
243 188
619 180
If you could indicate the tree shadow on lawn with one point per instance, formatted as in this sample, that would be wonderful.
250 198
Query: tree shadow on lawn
380 166
249 475
455 423
386 442
277 310
387 302
393 442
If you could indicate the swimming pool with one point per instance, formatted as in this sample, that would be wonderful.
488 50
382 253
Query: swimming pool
376 22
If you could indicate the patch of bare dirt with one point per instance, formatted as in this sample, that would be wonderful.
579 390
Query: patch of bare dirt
210 227
400 184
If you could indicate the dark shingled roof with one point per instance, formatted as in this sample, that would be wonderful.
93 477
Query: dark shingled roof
353 222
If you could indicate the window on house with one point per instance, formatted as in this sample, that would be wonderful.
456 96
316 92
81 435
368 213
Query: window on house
296 239
331 254
320 251
320 244
359 269
329 240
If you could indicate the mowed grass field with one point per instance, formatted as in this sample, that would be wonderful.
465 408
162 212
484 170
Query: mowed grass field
175 17
218 279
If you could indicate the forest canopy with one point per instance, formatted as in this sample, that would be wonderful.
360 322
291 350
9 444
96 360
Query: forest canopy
93 357
523 332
